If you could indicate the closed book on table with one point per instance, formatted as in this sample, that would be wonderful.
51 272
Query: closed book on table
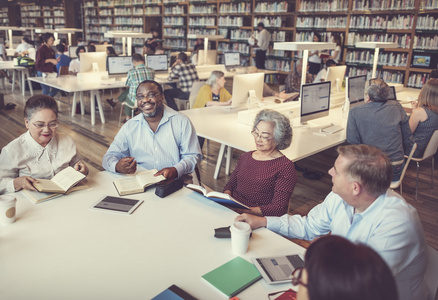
233 277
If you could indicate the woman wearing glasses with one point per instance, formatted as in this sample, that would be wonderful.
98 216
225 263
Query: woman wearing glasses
264 179
335 268
40 152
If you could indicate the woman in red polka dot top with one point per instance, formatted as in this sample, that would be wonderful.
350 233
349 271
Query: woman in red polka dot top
265 179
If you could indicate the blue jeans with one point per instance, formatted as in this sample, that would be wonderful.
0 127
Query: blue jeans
47 90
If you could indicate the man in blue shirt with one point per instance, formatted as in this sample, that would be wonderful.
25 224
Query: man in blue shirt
158 138
63 60
362 209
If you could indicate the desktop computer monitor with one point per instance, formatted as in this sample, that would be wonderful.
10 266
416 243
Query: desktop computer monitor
102 48
315 101
232 59
242 84
88 60
355 86
157 62
336 76
119 64
211 57
72 51
392 95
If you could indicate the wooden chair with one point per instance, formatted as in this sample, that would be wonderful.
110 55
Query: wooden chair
398 183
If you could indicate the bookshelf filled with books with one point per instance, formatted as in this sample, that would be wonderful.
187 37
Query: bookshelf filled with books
4 19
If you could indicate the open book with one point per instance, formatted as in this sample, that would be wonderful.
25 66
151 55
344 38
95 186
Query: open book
38 197
134 184
218 197
61 182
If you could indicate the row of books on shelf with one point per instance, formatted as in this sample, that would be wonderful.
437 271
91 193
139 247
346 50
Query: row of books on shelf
242 7
403 40
179 21
89 13
202 9
30 7
171 10
230 21
417 80
239 47
279 65
387 76
426 42
383 4
322 22
268 21
176 43
203 31
278 36
178 31
31 14
429 4
124 11
427 22
386 58
307 36
271 7
202 21
325 5
237 34
382 22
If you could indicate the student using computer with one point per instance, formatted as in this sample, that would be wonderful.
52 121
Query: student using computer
186 74
63 60
265 179
292 83
75 66
322 74
424 117
213 93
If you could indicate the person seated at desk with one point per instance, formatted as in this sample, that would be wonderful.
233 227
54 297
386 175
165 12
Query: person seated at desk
75 65
320 77
424 117
213 93
380 123
335 268
91 48
265 179
292 83
363 209
25 45
111 52
46 61
159 50
63 60
136 75
186 74
41 152
158 138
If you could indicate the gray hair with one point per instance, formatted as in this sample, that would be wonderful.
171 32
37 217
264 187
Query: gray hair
377 90
282 128
215 75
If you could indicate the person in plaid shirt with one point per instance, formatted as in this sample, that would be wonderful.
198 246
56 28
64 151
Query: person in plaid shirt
136 76
186 72
292 83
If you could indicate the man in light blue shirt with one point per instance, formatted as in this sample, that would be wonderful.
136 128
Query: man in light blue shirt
158 138
362 209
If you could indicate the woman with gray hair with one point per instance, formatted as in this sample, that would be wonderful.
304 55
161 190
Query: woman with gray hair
265 179
214 92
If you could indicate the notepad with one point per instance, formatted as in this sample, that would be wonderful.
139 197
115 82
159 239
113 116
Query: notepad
233 277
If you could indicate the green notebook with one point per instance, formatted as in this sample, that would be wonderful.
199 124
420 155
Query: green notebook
233 277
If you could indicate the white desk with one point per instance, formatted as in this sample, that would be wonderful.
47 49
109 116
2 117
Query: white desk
9 65
61 249
71 84
221 125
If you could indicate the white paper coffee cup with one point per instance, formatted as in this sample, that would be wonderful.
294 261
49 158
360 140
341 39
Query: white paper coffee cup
240 232
7 209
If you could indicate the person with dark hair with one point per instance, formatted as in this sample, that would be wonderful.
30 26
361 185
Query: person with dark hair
264 179
263 39
81 42
424 117
110 51
314 59
136 75
91 48
157 138
159 50
41 152
363 209
380 123
186 74
75 65
45 62
292 83
153 42
25 45
336 54
321 74
147 50
63 60
335 268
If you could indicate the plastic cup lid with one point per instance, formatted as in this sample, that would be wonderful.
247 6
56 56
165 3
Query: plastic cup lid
240 227
6 199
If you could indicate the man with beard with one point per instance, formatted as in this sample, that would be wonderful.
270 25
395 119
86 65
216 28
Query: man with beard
158 138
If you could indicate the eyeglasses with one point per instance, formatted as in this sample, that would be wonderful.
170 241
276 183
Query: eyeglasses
264 138
296 277
52 125
149 96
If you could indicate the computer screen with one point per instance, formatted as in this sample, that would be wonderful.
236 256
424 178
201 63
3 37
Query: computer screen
157 62
72 51
102 48
87 59
211 57
315 101
336 76
232 59
392 95
356 88
242 84
119 64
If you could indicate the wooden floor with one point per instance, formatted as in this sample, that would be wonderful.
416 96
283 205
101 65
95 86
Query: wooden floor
93 141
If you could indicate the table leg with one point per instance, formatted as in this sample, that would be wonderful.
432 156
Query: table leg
29 82
81 100
93 108
229 156
220 157
13 81
73 105
23 82
99 104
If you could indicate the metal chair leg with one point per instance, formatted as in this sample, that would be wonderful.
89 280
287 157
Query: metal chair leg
416 182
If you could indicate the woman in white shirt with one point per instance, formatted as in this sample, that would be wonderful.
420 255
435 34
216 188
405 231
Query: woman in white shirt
314 59
40 152
25 45
74 67
336 54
